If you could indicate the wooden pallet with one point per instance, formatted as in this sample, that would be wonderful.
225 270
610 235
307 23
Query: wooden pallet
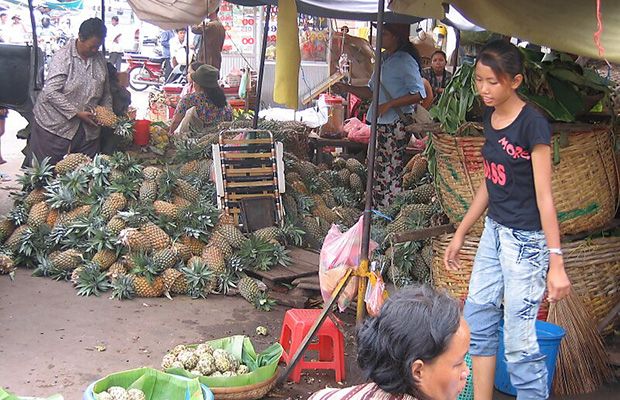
305 263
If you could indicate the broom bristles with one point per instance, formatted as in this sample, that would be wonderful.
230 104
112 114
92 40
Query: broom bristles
583 363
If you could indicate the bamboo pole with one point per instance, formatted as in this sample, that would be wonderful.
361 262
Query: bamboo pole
372 146
261 69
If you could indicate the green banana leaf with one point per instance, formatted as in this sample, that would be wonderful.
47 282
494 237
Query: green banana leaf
566 95
4 395
555 109
155 384
262 366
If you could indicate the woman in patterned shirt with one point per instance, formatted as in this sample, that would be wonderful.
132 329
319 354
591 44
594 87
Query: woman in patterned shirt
208 101
414 349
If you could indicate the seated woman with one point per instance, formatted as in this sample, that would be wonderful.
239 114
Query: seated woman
189 88
414 349
206 106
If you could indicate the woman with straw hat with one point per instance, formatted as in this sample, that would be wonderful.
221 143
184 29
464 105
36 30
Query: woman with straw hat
206 106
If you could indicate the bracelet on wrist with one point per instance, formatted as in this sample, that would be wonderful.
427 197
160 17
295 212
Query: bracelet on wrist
557 251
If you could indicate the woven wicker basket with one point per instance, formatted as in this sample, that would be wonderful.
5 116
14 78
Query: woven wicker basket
593 267
585 181
249 392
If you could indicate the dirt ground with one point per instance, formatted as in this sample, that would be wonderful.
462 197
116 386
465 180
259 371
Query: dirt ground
52 341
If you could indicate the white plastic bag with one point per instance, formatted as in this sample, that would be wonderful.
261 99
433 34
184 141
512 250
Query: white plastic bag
340 252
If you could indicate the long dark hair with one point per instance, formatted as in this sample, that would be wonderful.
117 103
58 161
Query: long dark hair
417 323
504 59
408 47
217 96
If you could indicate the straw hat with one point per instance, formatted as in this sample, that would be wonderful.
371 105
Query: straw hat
206 76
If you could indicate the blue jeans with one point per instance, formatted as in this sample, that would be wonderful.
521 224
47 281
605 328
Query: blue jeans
510 266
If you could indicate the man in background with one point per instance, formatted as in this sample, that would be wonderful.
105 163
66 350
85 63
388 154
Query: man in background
114 45
212 35
164 39
4 27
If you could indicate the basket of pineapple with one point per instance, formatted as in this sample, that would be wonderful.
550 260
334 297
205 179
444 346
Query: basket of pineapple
229 367
146 384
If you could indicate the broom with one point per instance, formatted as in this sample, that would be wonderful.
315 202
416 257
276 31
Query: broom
583 363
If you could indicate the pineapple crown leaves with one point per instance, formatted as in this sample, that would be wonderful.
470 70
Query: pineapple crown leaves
167 184
313 186
257 253
60 197
263 303
281 255
44 266
144 266
18 215
199 278
126 185
38 175
123 162
168 224
76 180
124 127
134 216
99 170
236 264
92 281
304 203
343 196
187 150
405 254
32 241
291 233
123 288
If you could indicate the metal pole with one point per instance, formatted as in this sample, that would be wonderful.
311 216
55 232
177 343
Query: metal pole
35 45
189 28
372 145
103 20
261 69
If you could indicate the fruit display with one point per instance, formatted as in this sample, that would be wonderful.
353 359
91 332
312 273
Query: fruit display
120 393
204 360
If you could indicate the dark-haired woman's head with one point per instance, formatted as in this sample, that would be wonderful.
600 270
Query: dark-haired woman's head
90 37
416 345
439 61
499 72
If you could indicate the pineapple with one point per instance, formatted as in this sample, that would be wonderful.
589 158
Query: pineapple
114 203
232 234
420 270
34 197
194 245
156 236
152 173
6 228
180 202
123 288
67 260
348 215
165 258
328 199
103 116
300 187
187 191
292 177
308 171
115 270
221 243
215 262
70 216
175 281
52 217
189 168
148 191
356 183
249 290
339 163
145 280
290 205
345 177
134 240
105 258
71 162
183 252
324 214
91 281
354 166
164 208
116 225
6 264
312 228
424 193
268 234
419 168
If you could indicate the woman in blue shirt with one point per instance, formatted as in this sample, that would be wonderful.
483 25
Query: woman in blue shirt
402 87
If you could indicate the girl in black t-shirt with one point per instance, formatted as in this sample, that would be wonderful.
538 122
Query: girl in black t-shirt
520 247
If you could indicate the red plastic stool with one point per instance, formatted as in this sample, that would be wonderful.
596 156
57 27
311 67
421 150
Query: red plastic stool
297 324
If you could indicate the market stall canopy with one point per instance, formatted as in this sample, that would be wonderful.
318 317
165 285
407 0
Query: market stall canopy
559 24
170 14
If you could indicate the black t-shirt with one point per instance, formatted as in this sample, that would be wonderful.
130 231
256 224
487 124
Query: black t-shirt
508 168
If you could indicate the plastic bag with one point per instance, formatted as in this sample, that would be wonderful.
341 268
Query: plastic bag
356 130
340 252
375 294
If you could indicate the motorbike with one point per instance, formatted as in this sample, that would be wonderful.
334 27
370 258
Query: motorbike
145 71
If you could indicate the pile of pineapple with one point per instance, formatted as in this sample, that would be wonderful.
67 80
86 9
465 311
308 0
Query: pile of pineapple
109 223
203 360
120 393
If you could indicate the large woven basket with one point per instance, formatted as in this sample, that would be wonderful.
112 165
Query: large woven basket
585 180
249 392
593 267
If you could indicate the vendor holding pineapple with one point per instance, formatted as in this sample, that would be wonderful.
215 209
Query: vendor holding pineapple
77 80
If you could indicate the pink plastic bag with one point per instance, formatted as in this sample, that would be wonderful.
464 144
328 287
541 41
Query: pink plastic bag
341 251
375 294
356 130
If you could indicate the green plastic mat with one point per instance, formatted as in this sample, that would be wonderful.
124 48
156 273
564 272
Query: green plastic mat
155 384
262 366
468 391
4 395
